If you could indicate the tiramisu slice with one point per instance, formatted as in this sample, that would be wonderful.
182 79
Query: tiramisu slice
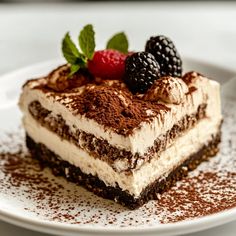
128 138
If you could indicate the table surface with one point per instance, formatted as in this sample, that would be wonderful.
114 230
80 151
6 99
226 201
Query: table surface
32 33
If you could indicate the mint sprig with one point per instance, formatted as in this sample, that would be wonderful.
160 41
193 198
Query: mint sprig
118 42
75 57
74 68
78 57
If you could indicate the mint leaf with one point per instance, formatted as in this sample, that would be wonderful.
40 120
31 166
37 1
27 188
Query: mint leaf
81 61
87 41
118 42
73 69
69 50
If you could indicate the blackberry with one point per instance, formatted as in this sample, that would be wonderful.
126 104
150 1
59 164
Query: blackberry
166 54
141 70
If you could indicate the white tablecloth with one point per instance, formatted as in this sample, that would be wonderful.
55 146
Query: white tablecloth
31 33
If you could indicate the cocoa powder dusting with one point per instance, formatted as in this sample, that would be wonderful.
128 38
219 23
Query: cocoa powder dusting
34 190
190 77
113 108
207 193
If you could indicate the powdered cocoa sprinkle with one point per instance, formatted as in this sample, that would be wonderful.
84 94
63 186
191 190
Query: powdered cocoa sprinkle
113 108
209 189
208 193
189 77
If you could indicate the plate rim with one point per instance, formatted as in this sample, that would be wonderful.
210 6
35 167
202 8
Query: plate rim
46 226
187 225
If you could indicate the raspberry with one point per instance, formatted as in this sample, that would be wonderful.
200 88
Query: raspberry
141 70
166 54
107 64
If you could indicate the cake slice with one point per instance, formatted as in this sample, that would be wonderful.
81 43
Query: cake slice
121 144
118 146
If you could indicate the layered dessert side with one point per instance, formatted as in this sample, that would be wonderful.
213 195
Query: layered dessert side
125 125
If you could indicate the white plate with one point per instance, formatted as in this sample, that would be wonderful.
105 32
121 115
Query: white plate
15 204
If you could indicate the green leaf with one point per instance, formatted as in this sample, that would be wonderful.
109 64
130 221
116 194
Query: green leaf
69 50
87 41
74 69
118 42
81 61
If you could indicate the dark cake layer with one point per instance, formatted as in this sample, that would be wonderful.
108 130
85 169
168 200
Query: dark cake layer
95 185
100 148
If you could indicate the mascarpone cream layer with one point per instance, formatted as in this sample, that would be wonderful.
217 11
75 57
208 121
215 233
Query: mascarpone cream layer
135 181
143 136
